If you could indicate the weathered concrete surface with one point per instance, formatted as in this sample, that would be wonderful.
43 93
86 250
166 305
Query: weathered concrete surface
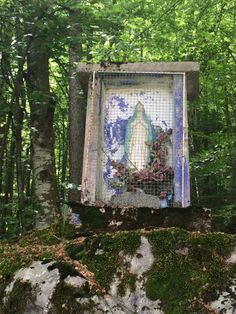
113 219
76 140
90 159
186 66
190 68
137 199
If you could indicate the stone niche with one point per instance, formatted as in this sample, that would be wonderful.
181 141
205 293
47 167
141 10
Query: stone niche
136 137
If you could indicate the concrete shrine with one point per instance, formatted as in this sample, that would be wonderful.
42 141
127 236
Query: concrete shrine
136 136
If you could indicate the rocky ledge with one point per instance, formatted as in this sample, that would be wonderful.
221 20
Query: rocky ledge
104 218
169 271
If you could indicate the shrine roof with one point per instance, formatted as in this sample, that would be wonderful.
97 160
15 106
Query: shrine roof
191 70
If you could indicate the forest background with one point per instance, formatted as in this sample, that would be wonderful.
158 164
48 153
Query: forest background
40 44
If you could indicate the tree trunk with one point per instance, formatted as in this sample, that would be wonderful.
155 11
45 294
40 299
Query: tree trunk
18 115
42 108
17 132
3 142
27 171
64 159
9 179
232 156
76 113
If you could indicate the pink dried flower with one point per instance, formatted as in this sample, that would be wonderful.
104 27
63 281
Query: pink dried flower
163 194
156 165
100 204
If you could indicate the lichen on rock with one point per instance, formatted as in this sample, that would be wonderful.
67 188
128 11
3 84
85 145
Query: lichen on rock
169 271
42 282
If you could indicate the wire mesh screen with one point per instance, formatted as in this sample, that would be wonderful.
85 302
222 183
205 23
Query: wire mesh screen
137 118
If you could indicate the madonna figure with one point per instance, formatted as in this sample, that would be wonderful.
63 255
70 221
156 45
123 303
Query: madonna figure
138 136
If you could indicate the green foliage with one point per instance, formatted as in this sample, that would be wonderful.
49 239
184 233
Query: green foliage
119 31
65 211
69 231
224 219
13 223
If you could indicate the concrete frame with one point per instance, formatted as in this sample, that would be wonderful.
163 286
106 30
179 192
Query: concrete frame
90 81
191 70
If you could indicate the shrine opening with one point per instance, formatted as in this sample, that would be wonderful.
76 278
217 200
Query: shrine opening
136 137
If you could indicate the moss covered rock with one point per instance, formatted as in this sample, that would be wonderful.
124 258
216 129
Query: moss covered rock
169 271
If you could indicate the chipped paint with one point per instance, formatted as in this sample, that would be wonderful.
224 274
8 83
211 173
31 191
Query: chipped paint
110 105
119 103
178 104
181 144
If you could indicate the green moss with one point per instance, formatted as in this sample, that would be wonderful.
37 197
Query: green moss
23 252
65 269
105 264
64 300
188 267
65 230
178 279
213 243
167 240
41 237
92 218
171 283
46 257
128 282
10 262
76 251
21 295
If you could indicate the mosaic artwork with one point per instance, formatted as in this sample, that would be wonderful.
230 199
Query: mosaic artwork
137 150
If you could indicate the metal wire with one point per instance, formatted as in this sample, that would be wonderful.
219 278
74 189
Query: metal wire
137 131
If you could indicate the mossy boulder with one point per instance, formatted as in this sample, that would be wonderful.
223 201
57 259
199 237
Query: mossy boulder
169 271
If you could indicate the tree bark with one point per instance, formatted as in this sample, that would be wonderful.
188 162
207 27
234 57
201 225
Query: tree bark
232 156
3 142
64 159
76 113
18 157
18 115
9 179
42 107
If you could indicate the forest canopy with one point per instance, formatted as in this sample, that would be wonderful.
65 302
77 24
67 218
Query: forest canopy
40 45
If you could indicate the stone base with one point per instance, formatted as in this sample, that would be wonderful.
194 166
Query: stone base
135 199
107 219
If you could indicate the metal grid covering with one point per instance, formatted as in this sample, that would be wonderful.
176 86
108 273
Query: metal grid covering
137 127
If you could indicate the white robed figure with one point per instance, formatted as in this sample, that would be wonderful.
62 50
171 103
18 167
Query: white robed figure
138 138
